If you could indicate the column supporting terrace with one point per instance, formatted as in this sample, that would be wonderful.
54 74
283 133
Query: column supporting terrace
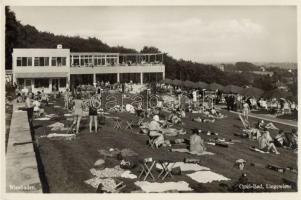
141 78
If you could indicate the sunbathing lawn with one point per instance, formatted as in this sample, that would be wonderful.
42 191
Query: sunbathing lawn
67 163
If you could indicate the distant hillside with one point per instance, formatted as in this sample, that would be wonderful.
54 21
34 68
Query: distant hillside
282 65
26 36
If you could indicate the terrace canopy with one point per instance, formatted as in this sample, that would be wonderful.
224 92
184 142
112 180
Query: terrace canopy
177 82
252 92
188 84
277 93
167 81
232 89
202 85
215 86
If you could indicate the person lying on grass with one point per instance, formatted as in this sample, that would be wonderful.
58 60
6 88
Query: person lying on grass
215 114
266 144
261 125
198 119
252 133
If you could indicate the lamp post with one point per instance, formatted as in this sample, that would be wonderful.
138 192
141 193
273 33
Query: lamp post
203 99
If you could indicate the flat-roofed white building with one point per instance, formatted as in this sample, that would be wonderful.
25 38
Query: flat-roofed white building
42 69
58 69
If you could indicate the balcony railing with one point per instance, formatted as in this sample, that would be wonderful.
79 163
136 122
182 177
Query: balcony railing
118 65
109 59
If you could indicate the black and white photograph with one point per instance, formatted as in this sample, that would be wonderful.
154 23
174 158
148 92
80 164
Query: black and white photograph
150 98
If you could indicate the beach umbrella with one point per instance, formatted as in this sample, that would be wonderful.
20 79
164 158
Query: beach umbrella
232 89
215 86
278 93
167 81
188 84
202 85
252 92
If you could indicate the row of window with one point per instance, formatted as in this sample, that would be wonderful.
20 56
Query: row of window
43 82
41 61
96 61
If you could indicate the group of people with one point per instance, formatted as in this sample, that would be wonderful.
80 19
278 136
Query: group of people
267 143
76 104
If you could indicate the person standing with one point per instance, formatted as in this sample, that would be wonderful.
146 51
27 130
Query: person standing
29 107
66 98
77 111
246 110
93 113
194 98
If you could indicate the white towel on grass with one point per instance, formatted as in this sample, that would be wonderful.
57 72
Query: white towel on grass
18 111
162 187
106 182
185 166
42 119
207 177
112 172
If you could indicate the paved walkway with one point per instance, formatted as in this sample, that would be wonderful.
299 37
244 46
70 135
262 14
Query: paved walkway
21 165
271 119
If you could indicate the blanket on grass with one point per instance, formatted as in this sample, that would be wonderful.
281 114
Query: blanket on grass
184 166
207 177
163 187
183 150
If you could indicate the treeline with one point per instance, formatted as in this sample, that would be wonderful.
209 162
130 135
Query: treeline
241 66
26 36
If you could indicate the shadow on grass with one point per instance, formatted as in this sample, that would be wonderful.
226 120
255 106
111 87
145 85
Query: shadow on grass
42 175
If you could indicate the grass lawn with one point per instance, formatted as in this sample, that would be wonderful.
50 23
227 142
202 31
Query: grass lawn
67 163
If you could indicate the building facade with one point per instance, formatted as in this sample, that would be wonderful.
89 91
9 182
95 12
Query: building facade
58 69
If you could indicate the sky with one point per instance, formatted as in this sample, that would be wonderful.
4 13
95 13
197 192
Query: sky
198 33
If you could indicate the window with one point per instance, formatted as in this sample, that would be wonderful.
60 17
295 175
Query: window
41 82
128 77
24 61
53 61
76 60
20 81
41 61
152 77
58 61
19 61
62 82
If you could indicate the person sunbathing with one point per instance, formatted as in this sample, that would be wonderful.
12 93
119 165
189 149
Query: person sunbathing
292 138
253 133
155 131
197 144
265 143
198 119
280 139
261 125
174 118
